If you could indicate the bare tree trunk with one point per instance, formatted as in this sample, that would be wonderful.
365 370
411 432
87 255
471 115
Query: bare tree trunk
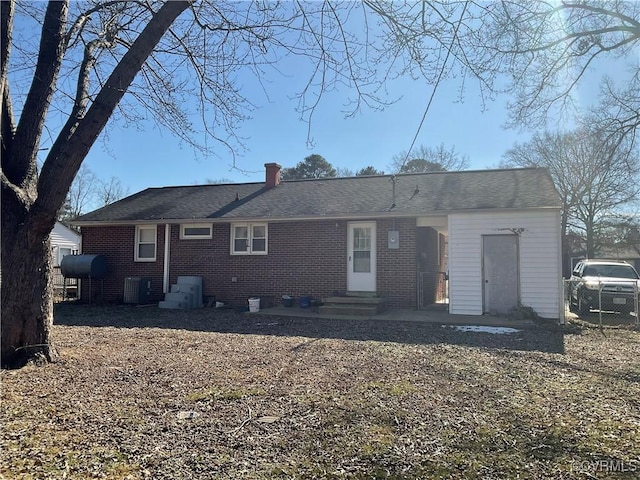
29 214
590 243
27 293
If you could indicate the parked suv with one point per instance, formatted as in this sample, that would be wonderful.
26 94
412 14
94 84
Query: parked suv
617 281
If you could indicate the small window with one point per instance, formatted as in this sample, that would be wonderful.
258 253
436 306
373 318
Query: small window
196 231
63 252
145 243
249 239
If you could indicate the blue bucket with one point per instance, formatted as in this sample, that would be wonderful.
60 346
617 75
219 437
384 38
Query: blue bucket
305 302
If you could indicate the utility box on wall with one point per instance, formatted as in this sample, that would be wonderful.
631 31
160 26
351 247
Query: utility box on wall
137 290
393 239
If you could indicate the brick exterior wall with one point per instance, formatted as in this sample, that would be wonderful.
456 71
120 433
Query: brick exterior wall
117 244
304 258
397 268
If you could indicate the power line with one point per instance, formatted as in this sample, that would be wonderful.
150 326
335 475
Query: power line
435 88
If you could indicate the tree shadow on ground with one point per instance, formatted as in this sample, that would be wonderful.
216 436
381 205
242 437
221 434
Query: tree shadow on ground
543 339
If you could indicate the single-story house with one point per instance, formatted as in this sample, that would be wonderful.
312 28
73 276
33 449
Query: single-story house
64 241
491 237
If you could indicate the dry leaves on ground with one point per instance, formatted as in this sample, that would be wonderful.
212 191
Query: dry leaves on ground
148 393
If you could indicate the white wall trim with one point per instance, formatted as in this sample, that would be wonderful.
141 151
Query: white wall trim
167 250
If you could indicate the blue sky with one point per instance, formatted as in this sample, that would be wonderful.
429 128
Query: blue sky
143 156
146 157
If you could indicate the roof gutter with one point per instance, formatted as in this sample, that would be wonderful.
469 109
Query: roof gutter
359 216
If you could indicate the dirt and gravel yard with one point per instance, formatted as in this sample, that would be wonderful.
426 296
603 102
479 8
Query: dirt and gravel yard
149 393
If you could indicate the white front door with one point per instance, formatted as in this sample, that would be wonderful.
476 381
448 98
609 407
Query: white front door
361 261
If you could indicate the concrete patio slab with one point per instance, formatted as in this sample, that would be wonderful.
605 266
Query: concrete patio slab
432 316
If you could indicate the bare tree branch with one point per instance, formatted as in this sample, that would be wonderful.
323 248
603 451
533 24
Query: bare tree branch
79 133
6 27
594 173
20 168
549 49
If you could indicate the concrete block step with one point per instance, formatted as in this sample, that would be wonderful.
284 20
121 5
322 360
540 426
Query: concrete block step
354 301
184 288
191 289
179 297
361 294
354 310
173 305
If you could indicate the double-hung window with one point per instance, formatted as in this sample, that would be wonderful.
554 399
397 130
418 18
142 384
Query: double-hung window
249 238
145 243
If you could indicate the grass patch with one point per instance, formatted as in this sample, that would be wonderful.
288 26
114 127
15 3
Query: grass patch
217 393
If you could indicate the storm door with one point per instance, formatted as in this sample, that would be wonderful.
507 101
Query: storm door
500 277
361 257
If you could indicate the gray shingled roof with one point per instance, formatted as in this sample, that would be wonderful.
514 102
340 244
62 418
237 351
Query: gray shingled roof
415 194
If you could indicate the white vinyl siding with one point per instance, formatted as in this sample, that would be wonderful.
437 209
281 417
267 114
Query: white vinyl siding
249 238
64 241
539 259
145 245
192 231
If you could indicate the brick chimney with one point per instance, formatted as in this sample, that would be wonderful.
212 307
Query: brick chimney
273 175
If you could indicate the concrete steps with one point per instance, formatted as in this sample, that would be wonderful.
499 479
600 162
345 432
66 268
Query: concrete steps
186 294
173 305
364 304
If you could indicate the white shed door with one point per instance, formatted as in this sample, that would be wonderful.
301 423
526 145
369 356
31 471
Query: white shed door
500 273
361 253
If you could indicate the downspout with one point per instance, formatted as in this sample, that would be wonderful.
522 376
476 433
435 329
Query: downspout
79 286
165 274
561 284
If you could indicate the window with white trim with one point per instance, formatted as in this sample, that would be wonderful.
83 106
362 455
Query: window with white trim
190 231
146 236
63 252
249 239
